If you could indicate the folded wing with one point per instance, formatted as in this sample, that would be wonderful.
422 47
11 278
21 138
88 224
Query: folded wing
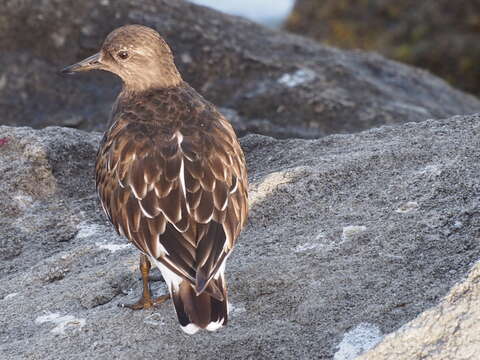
179 196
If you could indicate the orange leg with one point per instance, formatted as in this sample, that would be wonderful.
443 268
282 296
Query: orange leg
146 301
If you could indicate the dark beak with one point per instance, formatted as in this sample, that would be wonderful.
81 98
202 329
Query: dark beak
90 63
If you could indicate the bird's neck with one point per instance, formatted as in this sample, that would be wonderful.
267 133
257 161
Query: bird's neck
130 98
160 78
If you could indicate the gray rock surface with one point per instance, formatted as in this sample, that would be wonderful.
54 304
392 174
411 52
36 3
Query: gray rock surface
451 330
350 237
278 84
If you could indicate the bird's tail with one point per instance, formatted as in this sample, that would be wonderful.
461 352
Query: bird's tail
207 310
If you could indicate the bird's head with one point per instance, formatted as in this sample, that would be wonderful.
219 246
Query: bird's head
137 54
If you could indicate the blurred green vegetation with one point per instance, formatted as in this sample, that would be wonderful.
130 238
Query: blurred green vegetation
441 36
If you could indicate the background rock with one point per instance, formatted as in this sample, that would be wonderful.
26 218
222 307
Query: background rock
278 84
438 35
350 237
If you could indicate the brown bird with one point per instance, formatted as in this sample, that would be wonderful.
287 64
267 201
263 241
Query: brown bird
170 175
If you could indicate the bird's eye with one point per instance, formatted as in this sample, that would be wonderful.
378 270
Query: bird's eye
123 55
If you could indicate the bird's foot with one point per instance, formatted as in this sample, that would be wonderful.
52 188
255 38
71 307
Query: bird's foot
146 303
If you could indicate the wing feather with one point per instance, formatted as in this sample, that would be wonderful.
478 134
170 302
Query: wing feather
181 198
204 211
170 205
162 187
193 199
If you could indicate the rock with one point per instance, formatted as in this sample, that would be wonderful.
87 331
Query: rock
450 330
325 267
277 84
439 35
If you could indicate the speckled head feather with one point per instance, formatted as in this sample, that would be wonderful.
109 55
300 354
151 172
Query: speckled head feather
170 175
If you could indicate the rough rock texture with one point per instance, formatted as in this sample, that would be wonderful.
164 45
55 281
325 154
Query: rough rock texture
451 330
438 35
350 237
273 83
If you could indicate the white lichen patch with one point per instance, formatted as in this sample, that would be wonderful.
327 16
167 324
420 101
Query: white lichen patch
306 247
186 58
412 107
301 76
86 230
433 169
113 247
457 224
351 231
234 310
358 340
3 81
319 244
62 322
407 207
10 296
58 39
154 319
23 201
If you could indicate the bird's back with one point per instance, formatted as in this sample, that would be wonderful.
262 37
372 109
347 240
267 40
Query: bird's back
171 177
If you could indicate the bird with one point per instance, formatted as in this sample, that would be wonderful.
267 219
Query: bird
170 175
